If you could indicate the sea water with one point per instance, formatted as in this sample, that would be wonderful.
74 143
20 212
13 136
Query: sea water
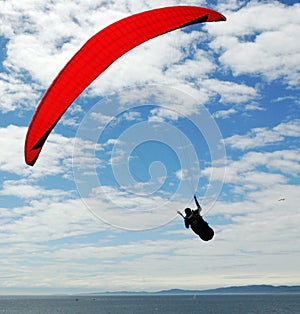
153 304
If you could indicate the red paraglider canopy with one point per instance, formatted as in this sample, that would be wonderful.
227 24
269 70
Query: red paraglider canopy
96 55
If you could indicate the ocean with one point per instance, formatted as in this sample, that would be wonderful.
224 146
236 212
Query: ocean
153 304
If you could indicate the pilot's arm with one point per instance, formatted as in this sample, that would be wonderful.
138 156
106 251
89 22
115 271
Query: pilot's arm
197 204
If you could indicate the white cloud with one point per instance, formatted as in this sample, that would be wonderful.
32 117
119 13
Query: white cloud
229 91
112 141
259 137
29 191
256 171
291 128
224 114
254 106
15 93
48 219
132 116
100 118
56 157
12 143
182 174
261 39
160 114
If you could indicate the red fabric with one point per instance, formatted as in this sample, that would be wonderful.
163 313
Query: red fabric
96 55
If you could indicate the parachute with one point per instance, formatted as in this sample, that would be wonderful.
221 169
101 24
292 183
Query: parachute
96 55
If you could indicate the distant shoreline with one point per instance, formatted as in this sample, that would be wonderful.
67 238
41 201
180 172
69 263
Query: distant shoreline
250 289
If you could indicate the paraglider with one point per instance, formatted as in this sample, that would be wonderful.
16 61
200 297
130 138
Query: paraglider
194 220
96 55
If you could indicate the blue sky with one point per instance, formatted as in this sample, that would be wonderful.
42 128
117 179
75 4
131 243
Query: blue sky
212 109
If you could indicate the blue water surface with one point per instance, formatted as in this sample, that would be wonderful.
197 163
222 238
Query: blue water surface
153 304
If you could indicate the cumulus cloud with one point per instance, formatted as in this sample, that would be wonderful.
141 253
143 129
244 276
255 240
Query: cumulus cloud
261 39
23 190
257 171
48 219
15 93
224 114
57 156
231 92
259 137
11 157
